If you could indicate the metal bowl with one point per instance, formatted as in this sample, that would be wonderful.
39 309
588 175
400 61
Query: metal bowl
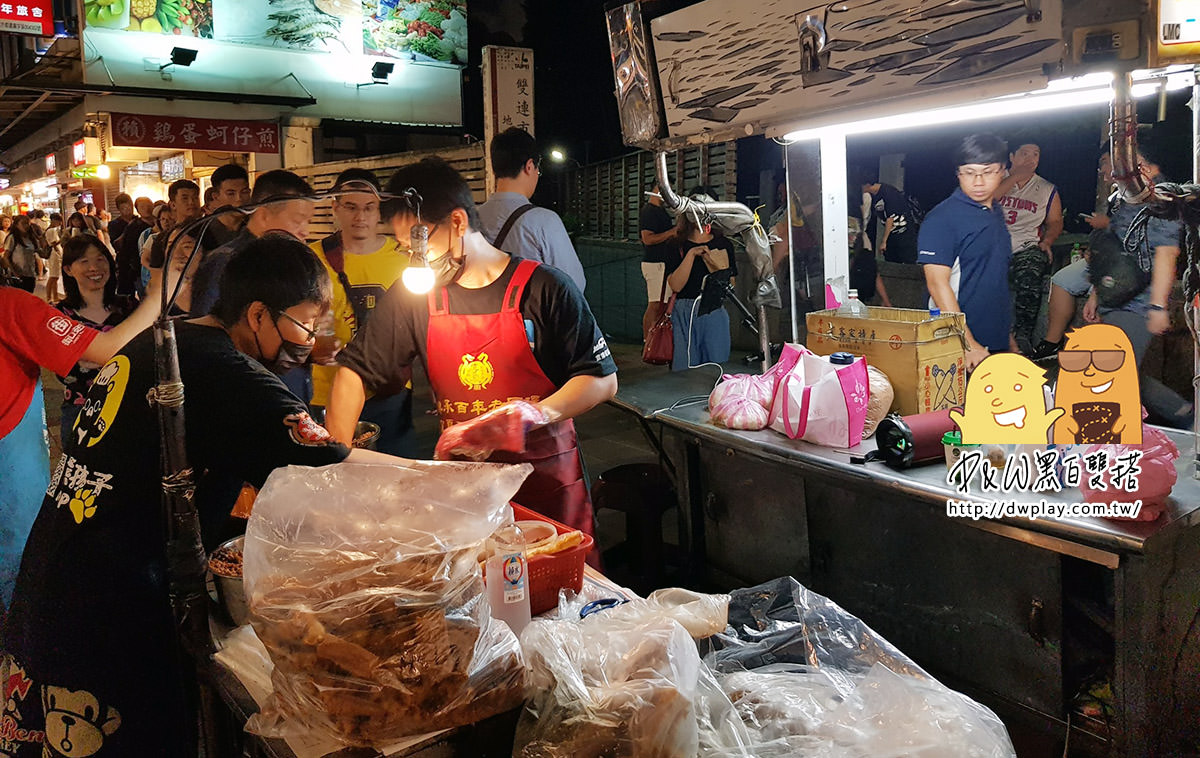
366 435
231 592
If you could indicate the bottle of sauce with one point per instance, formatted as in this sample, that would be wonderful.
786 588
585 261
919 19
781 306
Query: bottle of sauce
507 577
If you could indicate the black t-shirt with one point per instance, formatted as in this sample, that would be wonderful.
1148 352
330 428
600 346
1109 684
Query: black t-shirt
654 218
890 202
91 610
695 281
129 256
567 342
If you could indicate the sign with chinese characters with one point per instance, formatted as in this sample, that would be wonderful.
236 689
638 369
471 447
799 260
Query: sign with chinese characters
51 165
27 17
131 130
507 94
173 168
79 153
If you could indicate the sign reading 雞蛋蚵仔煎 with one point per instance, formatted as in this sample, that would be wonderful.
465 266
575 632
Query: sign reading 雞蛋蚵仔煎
132 130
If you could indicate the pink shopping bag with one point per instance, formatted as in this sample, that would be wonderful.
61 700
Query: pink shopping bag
821 402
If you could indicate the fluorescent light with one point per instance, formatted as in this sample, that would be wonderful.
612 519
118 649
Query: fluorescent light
988 109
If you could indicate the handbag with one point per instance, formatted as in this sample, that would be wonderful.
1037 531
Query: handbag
659 349
1116 273
819 401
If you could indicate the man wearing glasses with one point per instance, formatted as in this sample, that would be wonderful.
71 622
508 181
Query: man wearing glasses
514 224
965 246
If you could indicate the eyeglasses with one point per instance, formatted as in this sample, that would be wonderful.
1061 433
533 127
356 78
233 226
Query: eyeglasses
1079 360
309 334
987 173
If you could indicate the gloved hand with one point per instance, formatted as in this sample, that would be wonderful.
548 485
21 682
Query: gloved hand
503 429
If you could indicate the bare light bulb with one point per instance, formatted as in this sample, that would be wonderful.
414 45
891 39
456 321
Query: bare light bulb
418 279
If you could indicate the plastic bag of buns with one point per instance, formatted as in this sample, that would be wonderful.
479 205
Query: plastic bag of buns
879 399
364 586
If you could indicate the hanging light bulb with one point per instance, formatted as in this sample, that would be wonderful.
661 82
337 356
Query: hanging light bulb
418 278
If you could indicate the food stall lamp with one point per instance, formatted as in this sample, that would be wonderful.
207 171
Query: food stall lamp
180 56
103 172
380 73
418 278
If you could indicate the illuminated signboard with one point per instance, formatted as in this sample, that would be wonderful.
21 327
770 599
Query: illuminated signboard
51 165
79 153
136 130
27 17
429 30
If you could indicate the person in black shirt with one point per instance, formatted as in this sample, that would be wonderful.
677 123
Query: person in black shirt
493 330
697 273
657 232
90 623
898 241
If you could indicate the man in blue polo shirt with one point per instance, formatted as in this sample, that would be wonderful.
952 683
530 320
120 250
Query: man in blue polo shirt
965 247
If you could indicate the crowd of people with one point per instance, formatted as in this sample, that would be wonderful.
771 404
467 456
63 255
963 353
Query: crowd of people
275 336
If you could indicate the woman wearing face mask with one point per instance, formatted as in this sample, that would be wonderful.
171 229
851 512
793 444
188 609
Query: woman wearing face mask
88 278
493 329
91 613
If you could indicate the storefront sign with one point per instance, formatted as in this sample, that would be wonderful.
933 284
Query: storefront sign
131 130
51 165
79 153
507 94
27 17
173 168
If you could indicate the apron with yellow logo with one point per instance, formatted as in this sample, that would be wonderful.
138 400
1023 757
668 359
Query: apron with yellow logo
477 363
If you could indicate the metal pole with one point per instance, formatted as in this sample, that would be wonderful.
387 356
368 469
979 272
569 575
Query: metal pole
791 282
1194 308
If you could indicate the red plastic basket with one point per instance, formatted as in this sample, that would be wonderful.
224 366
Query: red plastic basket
550 573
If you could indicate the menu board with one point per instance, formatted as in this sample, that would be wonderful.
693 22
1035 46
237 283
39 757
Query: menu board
427 31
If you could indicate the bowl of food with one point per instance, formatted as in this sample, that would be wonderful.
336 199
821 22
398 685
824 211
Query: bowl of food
225 565
366 435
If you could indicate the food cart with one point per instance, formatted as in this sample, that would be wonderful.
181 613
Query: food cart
1023 614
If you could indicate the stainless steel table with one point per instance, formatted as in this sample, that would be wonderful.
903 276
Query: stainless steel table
1017 613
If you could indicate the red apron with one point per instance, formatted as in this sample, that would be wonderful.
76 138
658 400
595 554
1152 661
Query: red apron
478 362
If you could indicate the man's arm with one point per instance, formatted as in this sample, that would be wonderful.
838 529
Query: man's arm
937 279
1054 224
887 231
346 400
578 396
657 238
1162 279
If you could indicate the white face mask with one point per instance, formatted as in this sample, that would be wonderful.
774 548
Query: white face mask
446 268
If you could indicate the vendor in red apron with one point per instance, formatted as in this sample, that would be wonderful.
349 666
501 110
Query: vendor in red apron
509 339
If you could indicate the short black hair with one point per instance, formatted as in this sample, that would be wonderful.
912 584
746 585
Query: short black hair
181 184
442 190
981 149
357 175
210 194
228 172
279 182
276 270
121 199
56 217
511 150
75 248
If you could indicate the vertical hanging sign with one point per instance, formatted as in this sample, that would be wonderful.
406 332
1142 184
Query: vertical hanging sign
507 96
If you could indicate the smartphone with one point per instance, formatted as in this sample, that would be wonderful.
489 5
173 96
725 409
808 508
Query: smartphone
1085 216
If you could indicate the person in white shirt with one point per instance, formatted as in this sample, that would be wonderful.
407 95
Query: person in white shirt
54 237
511 222
1033 212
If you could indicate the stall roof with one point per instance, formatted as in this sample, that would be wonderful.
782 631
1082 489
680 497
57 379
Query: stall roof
25 111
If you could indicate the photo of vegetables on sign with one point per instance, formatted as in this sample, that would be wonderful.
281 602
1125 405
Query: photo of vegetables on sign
435 30
428 31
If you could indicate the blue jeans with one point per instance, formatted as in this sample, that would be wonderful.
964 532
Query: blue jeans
24 477
709 335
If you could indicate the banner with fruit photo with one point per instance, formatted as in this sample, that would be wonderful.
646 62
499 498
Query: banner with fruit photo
192 18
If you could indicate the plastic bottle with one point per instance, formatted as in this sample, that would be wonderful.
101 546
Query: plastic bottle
1076 254
935 312
853 307
507 576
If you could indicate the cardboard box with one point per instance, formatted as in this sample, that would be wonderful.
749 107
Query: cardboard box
921 355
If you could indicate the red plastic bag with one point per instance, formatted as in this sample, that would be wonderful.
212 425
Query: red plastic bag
1154 483
502 429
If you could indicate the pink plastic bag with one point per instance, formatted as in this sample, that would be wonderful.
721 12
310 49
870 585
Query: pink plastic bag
821 402
759 389
1154 483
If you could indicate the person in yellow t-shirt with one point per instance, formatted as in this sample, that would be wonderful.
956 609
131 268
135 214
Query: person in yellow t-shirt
363 264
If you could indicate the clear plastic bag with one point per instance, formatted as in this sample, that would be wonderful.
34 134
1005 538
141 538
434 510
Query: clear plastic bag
364 586
809 679
625 683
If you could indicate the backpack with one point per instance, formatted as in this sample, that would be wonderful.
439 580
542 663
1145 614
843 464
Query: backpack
1116 273
916 214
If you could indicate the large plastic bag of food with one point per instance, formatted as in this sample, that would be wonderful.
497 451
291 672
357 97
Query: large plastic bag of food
759 389
809 679
364 586
624 684
702 615
1153 483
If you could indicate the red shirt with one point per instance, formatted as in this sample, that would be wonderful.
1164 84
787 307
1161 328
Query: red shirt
35 335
